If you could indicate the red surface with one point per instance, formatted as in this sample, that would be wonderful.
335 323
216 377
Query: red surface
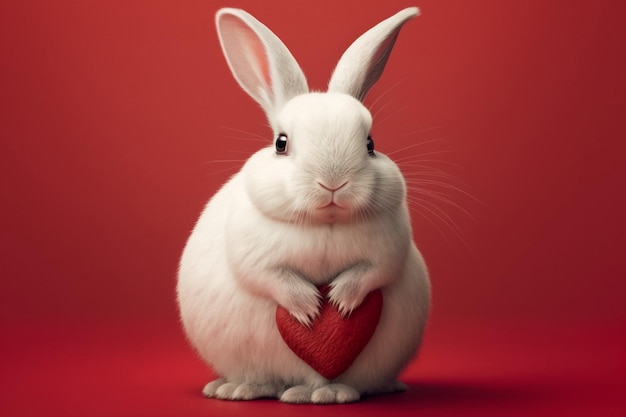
118 119
469 368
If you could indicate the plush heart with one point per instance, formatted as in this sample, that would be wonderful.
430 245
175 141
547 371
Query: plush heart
333 342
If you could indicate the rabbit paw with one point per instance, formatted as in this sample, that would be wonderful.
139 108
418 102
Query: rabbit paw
346 294
302 299
335 394
327 394
224 390
299 394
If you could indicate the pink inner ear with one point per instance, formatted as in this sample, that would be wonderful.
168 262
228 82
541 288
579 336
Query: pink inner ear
255 52
377 64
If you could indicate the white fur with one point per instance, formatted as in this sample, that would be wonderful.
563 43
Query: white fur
266 239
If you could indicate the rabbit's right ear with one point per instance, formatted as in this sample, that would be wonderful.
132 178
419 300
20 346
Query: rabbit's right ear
363 62
259 61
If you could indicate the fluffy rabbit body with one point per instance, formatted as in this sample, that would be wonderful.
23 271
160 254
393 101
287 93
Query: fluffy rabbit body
318 206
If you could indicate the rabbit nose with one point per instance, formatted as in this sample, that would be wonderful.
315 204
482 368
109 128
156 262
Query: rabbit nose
331 189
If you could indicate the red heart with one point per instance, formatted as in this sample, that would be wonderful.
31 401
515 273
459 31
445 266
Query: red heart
333 342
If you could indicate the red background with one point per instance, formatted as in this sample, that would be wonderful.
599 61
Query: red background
114 113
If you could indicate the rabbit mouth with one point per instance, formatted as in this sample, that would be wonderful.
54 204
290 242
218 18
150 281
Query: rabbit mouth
332 213
331 205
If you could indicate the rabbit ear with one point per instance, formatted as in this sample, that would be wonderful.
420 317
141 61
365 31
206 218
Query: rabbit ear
259 61
363 62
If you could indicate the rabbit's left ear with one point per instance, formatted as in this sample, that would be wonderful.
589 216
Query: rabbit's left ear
363 62
259 61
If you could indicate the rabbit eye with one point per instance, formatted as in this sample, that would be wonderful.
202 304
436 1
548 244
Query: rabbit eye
370 146
281 144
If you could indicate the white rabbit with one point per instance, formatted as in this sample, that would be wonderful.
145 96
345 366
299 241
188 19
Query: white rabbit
317 206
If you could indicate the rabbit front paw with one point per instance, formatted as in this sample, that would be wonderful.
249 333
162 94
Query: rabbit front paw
348 290
301 298
346 296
